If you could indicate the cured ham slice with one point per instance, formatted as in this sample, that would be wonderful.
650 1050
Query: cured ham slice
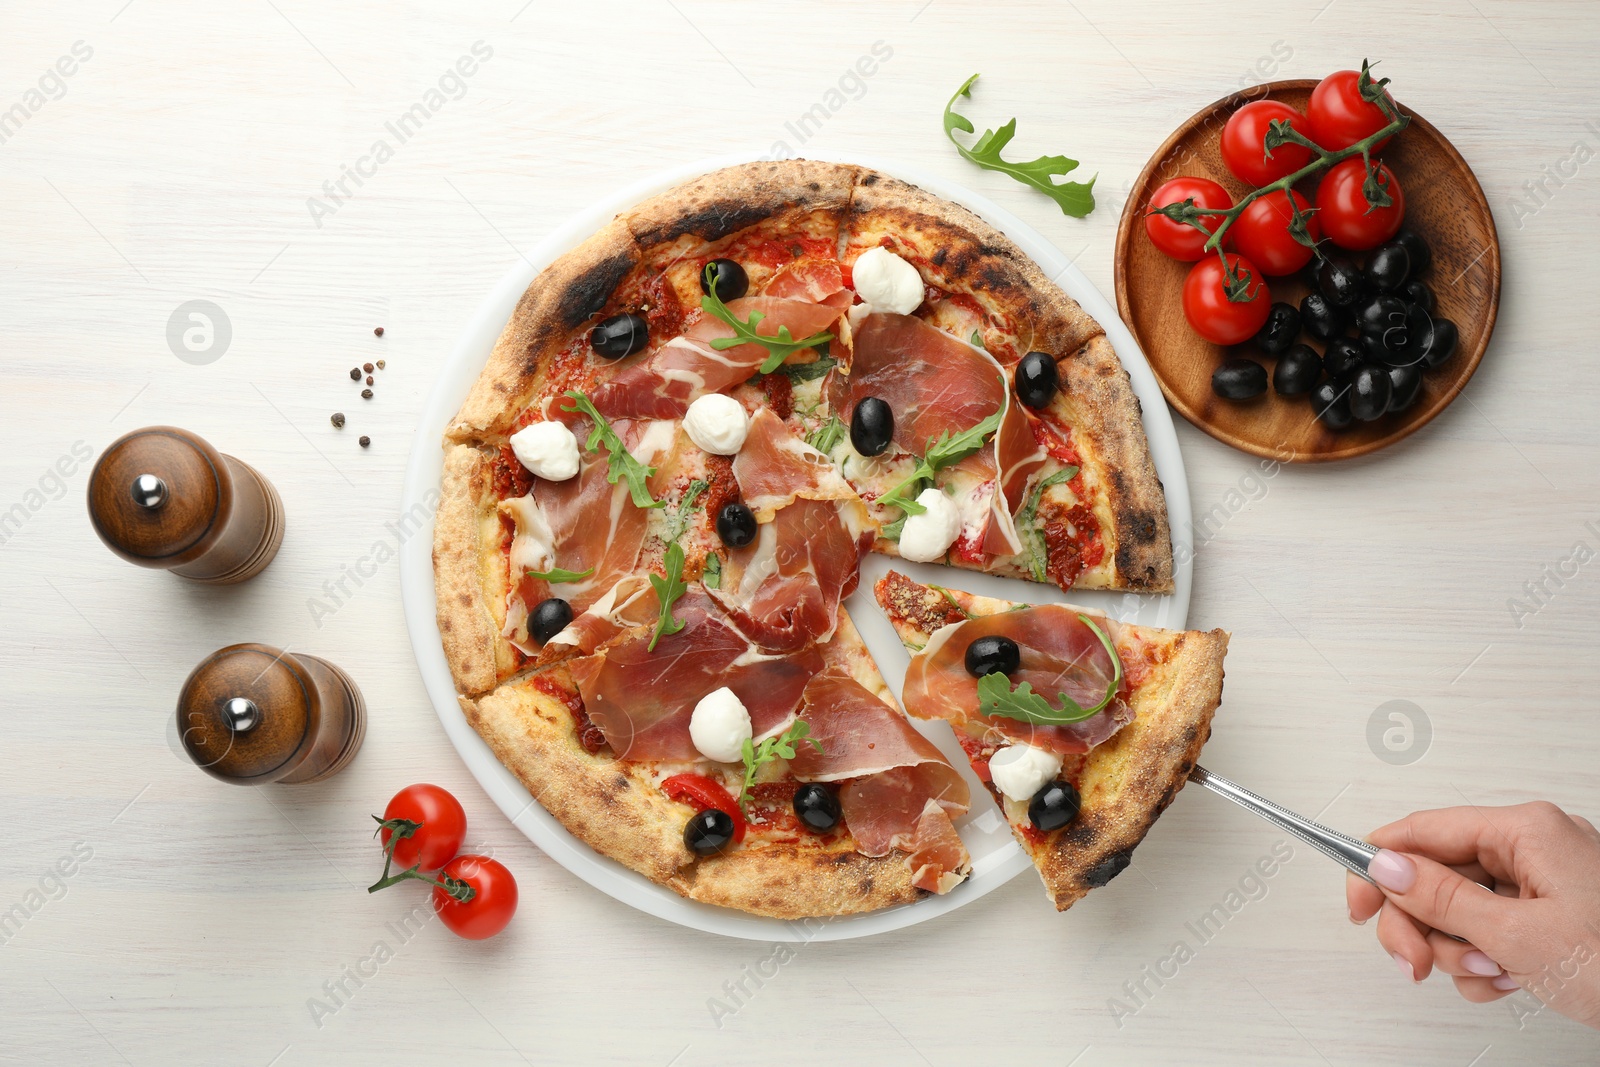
631 602
896 780
820 281
939 861
784 588
642 700
665 382
1060 655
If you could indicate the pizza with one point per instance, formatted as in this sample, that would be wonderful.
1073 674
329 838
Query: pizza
1078 795
658 493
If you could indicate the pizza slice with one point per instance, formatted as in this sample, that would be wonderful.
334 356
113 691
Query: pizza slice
1082 727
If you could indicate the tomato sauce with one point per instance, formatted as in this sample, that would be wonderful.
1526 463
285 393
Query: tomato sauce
978 754
1072 542
664 311
779 389
770 812
508 477
722 488
589 735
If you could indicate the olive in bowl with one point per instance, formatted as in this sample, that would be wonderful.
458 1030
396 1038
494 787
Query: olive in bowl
1239 379
1297 371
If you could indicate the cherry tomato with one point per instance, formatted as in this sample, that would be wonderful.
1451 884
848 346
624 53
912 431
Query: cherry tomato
1244 143
1176 239
1208 309
1339 117
1261 233
493 902
1344 213
439 837
700 793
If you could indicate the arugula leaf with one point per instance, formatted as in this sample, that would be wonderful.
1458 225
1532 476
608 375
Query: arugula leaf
806 372
1037 549
679 522
1074 198
779 346
757 757
826 436
942 453
619 464
711 577
557 576
668 590
996 696
976 340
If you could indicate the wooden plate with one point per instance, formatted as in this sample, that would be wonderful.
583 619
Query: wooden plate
1444 204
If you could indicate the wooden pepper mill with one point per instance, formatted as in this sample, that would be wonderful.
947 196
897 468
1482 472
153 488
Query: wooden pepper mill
250 714
162 497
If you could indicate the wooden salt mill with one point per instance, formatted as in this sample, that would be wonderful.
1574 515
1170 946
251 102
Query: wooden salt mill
162 497
250 714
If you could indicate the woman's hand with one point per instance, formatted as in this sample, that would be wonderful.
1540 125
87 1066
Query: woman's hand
1520 885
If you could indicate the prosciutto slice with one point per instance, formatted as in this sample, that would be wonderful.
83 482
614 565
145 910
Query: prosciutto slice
642 700
664 383
631 602
900 791
1060 655
784 588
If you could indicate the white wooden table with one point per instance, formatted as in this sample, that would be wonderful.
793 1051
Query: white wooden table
176 163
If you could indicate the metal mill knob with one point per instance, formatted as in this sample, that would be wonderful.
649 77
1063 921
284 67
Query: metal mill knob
241 714
149 491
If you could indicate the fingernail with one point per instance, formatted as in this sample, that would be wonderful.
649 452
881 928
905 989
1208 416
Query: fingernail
1405 967
1358 922
1392 871
1505 983
1479 963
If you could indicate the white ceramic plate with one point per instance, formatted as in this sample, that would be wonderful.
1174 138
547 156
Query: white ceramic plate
996 857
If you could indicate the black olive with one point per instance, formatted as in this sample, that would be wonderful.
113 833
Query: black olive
1053 806
1280 329
1421 254
1370 392
1437 342
708 832
1414 292
1239 379
1297 371
992 654
1342 283
1389 267
1342 358
620 335
730 279
736 524
1321 318
549 619
1407 386
871 426
1331 403
1037 380
1381 314
817 807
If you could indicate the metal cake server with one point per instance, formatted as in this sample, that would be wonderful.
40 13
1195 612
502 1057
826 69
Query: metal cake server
1349 853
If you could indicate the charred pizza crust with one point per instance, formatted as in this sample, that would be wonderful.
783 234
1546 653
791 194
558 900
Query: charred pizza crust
615 807
1125 783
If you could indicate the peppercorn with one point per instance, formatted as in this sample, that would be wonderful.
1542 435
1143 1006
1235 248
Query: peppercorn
381 364
366 394
355 374
367 367
338 419
365 440
378 331
369 379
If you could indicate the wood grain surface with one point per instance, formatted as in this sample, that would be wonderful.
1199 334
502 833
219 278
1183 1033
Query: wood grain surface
196 155
1444 205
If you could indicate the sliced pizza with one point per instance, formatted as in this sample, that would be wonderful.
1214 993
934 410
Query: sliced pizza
1082 727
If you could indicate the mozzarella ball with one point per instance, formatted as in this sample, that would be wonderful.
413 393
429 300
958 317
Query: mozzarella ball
887 282
720 726
1020 771
717 423
927 537
548 449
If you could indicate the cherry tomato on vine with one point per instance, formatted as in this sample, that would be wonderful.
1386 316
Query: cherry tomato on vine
1346 217
1244 143
1208 309
1261 233
494 897
442 826
1176 239
1339 117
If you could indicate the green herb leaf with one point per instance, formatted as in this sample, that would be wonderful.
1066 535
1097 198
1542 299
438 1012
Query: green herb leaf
944 452
806 372
679 521
1074 198
557 576
711 577
825 437
756 757
779 346
996 696
619 464
668 590
1037 549
976 340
